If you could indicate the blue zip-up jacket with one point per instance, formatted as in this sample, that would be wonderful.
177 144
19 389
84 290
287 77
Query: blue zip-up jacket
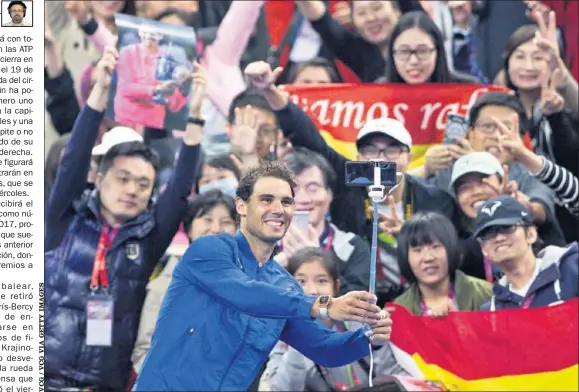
73 226
222 315
558 280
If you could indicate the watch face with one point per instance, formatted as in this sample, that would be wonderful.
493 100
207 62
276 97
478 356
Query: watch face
324 300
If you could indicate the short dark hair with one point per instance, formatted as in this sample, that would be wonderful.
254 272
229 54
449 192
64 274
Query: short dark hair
301 159
250 97
224 162
274 169
129 149
316 62
425 228
420 20
520 36
204 203
393 2
308 254
495 98
17 2
185 17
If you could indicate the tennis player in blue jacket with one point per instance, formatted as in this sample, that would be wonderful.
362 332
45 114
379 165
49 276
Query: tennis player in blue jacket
229 303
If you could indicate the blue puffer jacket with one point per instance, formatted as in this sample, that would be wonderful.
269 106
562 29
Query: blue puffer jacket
72 229
67 276
222 315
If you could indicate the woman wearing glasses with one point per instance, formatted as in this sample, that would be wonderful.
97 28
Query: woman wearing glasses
417 49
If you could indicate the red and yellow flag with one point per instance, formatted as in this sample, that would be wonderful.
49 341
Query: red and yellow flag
509 350
340 110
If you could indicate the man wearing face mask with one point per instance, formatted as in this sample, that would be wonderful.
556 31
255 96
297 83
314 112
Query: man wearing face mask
219 173
384 139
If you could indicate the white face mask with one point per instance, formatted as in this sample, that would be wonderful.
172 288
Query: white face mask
228 186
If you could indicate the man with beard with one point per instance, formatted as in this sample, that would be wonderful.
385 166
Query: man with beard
229 303
17 12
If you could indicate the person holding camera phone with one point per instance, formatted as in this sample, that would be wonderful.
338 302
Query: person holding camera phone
249 303
384 139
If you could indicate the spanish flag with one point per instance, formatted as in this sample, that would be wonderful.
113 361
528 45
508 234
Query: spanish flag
508 350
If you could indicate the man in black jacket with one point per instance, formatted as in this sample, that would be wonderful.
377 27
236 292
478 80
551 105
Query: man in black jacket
382 138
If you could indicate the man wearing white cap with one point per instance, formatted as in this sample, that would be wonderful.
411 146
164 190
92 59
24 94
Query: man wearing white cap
383 138
115 136
476 178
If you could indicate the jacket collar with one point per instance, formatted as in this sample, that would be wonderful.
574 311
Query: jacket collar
463 294
547 276
139 227
246 252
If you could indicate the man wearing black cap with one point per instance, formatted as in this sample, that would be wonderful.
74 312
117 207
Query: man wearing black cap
505 229
17 12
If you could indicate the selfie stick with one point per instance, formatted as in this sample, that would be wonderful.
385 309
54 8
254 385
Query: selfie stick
376 194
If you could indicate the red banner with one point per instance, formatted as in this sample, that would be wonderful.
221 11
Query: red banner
340 110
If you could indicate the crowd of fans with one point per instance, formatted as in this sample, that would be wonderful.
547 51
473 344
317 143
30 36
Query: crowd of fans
488 222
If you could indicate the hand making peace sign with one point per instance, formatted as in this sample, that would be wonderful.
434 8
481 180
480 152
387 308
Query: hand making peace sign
551 101
390 223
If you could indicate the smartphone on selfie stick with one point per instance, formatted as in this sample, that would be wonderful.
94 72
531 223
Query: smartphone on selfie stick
380 179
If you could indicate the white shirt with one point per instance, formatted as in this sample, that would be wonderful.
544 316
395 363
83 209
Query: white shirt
11 24
525 289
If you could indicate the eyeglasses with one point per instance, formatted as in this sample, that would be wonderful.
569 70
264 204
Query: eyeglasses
421 53
488 126
492 232
390 152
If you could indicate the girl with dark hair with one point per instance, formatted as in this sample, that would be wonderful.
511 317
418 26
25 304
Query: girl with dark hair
288 370
416 48
530 72
429 256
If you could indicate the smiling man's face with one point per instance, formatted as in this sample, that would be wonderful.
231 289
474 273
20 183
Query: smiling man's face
485 136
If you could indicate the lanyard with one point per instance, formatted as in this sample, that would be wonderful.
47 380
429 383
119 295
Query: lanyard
424 308
100 261
353 379
527 303
488 269
327 243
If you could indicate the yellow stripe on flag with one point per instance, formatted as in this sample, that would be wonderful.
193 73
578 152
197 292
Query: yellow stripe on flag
349 150
561 380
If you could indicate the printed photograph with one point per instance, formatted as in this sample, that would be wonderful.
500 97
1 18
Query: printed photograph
152 80
16 13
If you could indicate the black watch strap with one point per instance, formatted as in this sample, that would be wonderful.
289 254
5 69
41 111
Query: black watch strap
196 121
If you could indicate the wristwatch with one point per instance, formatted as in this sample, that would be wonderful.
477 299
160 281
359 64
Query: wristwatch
196 121
324 302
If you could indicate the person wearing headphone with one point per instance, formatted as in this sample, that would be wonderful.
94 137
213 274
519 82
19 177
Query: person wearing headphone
17 12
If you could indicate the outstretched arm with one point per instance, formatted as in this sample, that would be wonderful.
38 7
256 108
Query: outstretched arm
324 346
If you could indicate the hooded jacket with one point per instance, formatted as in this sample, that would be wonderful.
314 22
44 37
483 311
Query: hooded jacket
558 280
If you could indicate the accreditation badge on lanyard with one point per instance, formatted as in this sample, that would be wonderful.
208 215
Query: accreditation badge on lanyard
100 304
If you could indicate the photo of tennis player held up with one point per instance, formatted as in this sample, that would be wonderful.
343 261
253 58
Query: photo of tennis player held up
153 77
